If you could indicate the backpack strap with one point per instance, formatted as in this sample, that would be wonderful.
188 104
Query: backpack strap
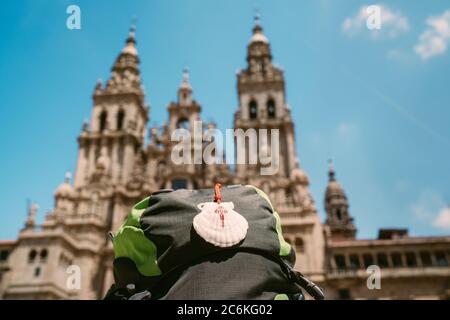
313 290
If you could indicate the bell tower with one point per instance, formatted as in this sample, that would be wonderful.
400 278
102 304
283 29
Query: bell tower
117 127
339 220
262 104
183 125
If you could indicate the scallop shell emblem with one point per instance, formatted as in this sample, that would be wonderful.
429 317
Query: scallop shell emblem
219 224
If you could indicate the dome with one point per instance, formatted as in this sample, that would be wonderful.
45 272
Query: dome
130 49
259 37
298 175
334 188
65 189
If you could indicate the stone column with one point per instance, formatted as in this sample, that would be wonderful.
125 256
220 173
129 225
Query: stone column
80 173
128 158
115 161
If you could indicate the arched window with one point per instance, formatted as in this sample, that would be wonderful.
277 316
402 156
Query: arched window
299 245
102 124
338 214
397 260
271 113
183 123
382 260
253 109
339 259
354 261
32 256
4 255
120 119
368 260
289 194
37 272
43 255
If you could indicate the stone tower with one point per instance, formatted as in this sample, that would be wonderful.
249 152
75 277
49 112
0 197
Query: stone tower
75 231
185 129
263 106
339 221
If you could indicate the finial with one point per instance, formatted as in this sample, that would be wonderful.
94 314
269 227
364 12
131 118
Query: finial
185 85
85 127
32 212
98 86
185 74
331 172
258 35
132 33
67 177
130 47
257 17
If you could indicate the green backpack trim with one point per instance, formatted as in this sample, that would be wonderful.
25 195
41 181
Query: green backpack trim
281 296
285 248
131 242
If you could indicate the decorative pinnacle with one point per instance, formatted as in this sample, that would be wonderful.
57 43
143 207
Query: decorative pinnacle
132 33
331 173
185 85
186 74
257 17
67 177
32 210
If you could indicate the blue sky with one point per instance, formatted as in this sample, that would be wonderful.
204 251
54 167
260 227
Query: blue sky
377 102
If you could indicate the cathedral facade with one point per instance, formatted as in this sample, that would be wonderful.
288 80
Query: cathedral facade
116 169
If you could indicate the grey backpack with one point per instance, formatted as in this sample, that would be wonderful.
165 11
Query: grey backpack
205 244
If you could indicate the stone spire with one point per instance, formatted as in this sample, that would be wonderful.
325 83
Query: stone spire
259 59
65 189
125 73
259 55
336 206
130 44
331 173
32 213
258 35
185 89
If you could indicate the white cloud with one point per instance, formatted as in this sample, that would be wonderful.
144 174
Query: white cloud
435 39
431 208
442 221
393 23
